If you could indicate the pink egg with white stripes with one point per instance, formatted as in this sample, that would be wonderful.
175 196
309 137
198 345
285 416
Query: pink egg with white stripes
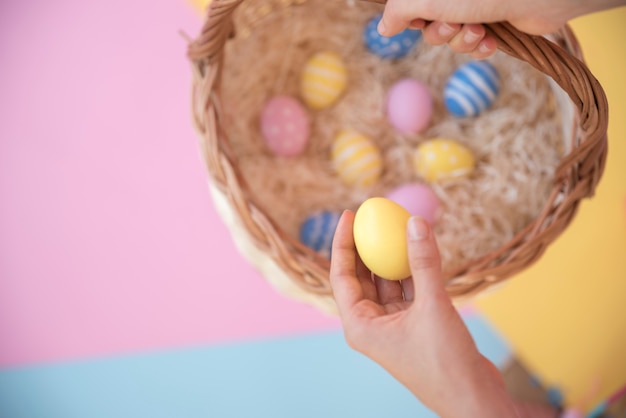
418 199
285 126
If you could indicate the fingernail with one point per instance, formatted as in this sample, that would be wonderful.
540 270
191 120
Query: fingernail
445 30
418 228
381 27
471 37
483 48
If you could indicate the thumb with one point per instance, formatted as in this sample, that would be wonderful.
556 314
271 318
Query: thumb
424 258
395 19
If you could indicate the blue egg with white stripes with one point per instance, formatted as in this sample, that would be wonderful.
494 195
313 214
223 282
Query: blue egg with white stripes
471 89
396 46
318 230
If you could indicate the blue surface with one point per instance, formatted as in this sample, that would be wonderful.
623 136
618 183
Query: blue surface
307 376
489 343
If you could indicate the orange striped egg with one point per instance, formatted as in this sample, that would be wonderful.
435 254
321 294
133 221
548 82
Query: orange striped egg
357 160
323 79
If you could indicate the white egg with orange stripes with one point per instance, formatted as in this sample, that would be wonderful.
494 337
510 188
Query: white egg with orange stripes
356 158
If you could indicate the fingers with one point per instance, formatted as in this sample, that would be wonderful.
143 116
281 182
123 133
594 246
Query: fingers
365 280
467 39
439 33
407 289
424 259
486 48
417 24
396 18
347 288
389 291
472 39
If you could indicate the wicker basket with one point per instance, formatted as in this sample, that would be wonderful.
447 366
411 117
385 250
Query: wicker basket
298 272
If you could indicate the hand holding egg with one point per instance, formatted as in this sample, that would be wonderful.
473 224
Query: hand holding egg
380 238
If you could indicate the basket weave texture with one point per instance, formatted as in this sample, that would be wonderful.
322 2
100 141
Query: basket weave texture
296 270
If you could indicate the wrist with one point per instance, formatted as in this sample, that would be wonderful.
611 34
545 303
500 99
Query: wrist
482 395
483 403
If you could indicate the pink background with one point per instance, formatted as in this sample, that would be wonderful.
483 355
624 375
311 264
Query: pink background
108 239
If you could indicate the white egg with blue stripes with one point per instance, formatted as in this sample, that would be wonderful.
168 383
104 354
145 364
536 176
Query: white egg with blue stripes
472 89
317 231
396 46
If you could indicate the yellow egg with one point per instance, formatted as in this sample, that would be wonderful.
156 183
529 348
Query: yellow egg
380 238
323 79
357 160
443 159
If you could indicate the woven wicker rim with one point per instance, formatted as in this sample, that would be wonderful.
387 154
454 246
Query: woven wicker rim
576 176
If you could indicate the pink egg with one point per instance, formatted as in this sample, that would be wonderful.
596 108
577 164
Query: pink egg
285 126
572 413
409 106
418 199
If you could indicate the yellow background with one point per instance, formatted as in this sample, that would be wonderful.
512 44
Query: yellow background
566 316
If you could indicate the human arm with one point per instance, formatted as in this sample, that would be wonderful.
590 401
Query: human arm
412 329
